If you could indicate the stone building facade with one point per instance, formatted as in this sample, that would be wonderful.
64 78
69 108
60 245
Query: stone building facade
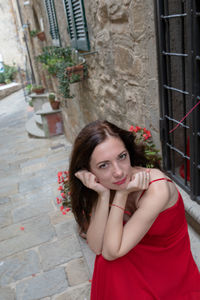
12 47
122 83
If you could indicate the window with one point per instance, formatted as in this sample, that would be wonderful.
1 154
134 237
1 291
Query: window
77 26
53 24
178 35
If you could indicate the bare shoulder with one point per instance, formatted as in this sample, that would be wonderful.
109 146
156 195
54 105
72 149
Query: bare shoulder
159 192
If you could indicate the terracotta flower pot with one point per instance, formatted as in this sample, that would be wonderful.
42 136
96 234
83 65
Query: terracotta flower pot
41 36
39 91
55 104
76 70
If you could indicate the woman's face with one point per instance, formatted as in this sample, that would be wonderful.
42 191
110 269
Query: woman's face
110 163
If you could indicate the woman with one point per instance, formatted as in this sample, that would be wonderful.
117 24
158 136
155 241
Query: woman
134 218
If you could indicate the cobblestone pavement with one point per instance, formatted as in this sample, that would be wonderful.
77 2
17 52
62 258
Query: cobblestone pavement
41 253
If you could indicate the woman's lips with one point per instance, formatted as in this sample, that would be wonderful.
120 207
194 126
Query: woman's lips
121 181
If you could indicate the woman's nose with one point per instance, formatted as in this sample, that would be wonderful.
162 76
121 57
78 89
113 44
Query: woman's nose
117 171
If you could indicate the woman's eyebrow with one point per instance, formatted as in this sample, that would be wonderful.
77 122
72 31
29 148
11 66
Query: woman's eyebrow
102 162
105 161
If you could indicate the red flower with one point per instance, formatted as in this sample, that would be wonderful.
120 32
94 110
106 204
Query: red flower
62 207
21 228
131 128
69 193
60 188
64 212
63 195
58 201
138 128
59 174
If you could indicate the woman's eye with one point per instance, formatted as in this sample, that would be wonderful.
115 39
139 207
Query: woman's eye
103 166
123 156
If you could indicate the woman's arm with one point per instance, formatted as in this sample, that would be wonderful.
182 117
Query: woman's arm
100 212
119 239
97 224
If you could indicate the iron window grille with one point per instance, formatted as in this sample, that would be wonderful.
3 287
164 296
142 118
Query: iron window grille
53 24
178 41
77 25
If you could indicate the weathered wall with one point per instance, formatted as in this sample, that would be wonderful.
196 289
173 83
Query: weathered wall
122 83
11 44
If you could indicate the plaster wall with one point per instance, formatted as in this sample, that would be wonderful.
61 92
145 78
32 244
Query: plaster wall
12 47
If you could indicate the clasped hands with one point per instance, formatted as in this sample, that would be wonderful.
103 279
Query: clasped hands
138 181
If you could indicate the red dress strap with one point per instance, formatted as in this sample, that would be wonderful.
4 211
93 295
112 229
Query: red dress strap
160 179
163 178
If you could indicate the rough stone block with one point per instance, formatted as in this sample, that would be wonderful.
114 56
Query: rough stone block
4 200
7 294
66 229
81 292
32 209
36 231
59 252
47 284
77 271
57 217
5 216
19 267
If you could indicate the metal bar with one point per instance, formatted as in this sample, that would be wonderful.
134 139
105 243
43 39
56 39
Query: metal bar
184 88
88 53
173 16
174 89
161 41
175 54
178 151
26 43
177 122
169 83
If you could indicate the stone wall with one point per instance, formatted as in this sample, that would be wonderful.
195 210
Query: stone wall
11 45
122 84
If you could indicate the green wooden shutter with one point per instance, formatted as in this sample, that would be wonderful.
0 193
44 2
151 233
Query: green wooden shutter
53 24
77 26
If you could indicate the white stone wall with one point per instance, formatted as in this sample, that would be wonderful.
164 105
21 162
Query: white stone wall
11 45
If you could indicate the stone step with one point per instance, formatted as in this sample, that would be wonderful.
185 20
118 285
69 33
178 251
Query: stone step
33 129
38 120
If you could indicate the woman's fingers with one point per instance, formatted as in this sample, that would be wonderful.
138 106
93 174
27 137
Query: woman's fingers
140 181
86 177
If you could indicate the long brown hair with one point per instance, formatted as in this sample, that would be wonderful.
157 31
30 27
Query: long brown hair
82 198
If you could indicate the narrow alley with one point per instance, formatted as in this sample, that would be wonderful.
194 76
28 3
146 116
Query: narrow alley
41 254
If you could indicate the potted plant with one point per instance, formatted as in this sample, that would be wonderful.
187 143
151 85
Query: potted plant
33 33
40 34
65 64
53 102
38 89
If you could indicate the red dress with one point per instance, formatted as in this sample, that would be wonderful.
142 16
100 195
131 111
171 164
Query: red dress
160 267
